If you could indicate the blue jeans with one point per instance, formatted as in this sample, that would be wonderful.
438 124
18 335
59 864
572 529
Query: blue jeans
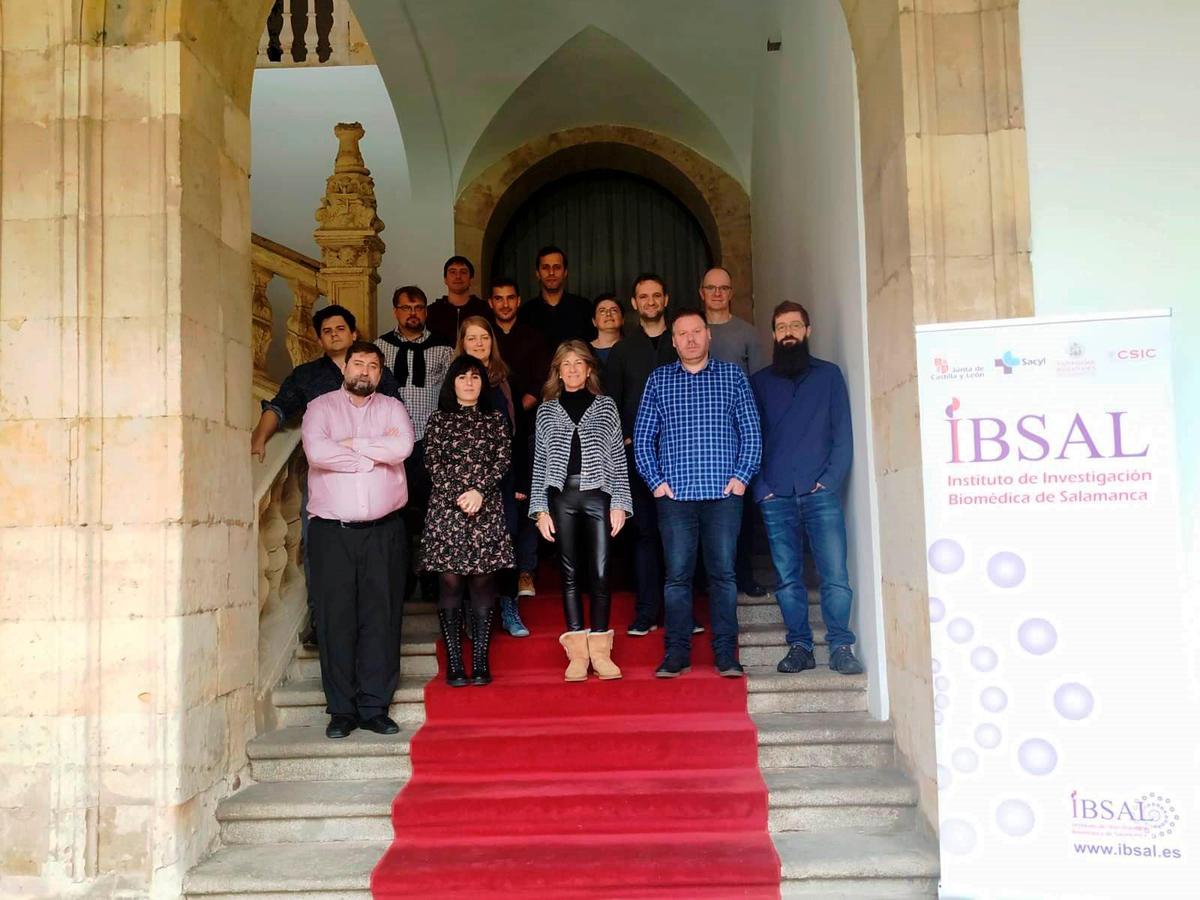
819 517
711 525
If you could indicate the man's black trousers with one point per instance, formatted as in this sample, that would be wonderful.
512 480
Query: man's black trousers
358 575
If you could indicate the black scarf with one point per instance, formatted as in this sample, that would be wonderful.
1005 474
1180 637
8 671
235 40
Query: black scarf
790 361
405 347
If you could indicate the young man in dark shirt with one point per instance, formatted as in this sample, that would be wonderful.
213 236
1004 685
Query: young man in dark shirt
524 350
555 314
447 312
629 366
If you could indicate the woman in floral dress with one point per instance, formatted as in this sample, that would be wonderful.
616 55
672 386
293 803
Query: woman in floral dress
468 451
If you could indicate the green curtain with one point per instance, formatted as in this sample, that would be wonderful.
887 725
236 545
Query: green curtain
612 226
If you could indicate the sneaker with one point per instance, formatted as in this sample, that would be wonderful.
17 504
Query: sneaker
525 585
640 628
797 660
842 660
510 619
729 667
697 628
673 666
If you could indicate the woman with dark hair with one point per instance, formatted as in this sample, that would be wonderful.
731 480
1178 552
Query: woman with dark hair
477 338
580 499
468 450
609 319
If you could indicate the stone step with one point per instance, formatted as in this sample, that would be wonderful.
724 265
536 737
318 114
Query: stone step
336 870
765 644
800 799
815 799
302 702
417 657
303 753
292 811
833 740
816 690
855 863
829 864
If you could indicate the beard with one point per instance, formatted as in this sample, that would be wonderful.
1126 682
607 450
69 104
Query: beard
360 387
791 357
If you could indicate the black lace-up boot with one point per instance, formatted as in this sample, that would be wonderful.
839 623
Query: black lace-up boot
481 619
451 621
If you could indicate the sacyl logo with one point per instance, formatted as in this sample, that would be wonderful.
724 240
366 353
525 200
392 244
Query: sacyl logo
1009 361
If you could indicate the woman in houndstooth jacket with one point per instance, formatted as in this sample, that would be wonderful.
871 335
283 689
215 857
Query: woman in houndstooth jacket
580 498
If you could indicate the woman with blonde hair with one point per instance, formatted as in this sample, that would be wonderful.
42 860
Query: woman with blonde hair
580 499
477 338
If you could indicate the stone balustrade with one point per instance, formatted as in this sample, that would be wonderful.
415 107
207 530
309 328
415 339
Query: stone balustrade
282 588
312 33
302 274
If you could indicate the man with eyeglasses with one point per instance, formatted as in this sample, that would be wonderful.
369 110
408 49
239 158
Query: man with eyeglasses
734 340
804 408
419 360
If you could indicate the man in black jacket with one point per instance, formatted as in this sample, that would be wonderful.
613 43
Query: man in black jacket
447 312
524 350
629 366
555 314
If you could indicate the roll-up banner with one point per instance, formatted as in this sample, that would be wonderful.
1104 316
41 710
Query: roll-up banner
1066 709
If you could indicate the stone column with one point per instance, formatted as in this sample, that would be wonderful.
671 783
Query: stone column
946 211
127 553
348 236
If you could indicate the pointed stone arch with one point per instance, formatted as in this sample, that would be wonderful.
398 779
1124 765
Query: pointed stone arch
718 202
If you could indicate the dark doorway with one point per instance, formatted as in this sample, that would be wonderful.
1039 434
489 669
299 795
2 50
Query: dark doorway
612 226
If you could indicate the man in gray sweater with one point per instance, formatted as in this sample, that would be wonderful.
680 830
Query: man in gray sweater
735 340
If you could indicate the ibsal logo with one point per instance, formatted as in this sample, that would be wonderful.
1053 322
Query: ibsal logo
1036 436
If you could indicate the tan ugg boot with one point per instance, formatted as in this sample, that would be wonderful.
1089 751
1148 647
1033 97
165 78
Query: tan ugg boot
600 645
576 645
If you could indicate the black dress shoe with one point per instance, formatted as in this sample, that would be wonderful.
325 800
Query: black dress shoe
753 589
340 726
379 724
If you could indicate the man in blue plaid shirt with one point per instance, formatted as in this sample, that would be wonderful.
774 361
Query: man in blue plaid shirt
697 443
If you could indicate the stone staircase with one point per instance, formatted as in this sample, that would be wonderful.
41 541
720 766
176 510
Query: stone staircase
317 818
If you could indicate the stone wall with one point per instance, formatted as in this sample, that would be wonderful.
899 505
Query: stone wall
127 601
946 210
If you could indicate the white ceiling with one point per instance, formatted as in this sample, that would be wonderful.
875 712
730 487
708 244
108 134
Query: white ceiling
472 79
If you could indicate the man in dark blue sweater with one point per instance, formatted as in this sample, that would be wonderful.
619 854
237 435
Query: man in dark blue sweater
807 445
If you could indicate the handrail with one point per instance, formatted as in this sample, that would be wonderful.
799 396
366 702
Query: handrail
279 450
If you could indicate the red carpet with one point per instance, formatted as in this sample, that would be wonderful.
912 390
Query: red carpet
532 787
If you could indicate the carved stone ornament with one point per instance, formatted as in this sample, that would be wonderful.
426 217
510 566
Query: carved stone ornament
349 201
262 317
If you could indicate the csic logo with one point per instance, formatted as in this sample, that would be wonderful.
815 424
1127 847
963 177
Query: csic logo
1075 349
1136 353
941 365
1154 812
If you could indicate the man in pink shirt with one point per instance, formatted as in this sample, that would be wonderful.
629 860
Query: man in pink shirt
356 441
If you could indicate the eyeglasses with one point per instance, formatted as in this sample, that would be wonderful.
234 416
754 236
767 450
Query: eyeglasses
406 308
717 288
791 327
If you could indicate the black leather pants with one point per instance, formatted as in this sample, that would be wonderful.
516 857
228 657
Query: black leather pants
581 529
